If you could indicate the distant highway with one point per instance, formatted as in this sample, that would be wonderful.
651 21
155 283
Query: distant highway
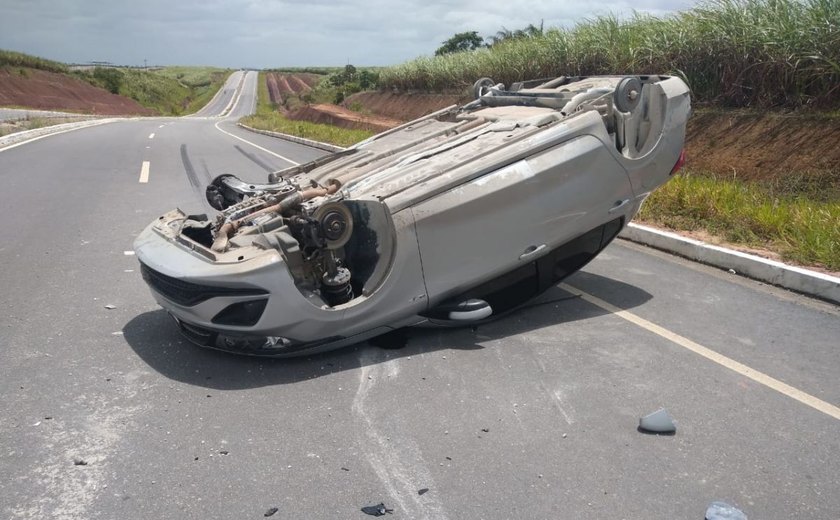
107 413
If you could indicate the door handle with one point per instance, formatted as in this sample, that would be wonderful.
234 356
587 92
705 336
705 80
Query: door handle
531 251
618 205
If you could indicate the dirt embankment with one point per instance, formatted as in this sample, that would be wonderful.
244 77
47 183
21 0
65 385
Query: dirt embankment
44 90
343 118
759 146
281 86
732 143
402 106
375 111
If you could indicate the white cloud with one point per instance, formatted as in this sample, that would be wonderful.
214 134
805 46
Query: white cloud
267 33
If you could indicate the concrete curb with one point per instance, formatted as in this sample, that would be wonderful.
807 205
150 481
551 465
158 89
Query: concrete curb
295 139
790 277
19 138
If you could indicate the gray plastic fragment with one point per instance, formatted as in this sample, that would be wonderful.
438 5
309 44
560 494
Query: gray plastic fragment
723 511
659 421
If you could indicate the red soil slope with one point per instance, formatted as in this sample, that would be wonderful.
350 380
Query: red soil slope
51 91
730 143
341 117
284 85
403 106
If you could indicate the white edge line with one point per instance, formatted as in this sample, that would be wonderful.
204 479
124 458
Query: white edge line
757 376
27 141
144 173
293 163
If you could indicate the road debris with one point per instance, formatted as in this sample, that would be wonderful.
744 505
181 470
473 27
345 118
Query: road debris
270 511
79 462
110 307
659 421
723 511
377 510
423 491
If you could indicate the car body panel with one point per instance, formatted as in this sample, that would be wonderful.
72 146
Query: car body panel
498 199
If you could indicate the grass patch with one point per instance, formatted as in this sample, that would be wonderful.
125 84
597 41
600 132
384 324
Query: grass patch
757 53
799 220
171 91
268 118
19 59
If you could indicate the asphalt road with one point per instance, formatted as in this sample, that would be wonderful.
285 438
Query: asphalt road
533 416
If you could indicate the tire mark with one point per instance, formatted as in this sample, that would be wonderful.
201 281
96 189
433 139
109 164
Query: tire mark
394 456
188 168
262 164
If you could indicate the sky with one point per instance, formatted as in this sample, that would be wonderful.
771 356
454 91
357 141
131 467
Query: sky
276 33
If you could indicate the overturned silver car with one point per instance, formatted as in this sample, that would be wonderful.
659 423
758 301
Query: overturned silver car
454 218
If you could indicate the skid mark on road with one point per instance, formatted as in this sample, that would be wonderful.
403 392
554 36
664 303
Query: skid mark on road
563 406
62 490
262 164
258 147
395 458
192 176
757 376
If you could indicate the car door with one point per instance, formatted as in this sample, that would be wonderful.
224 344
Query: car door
504 221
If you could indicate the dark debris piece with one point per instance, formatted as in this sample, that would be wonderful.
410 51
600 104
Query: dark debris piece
423 491
79 462
270 511
486 430
344 469
377 510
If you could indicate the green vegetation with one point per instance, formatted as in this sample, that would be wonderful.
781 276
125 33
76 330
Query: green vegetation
464 41
470 40
760 53
171 90
334 87
349 81
795 216
19 59
267 118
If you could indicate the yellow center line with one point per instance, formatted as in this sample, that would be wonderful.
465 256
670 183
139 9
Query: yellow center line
144 172
720 359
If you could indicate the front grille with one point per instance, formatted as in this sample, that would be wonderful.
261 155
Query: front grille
188 293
